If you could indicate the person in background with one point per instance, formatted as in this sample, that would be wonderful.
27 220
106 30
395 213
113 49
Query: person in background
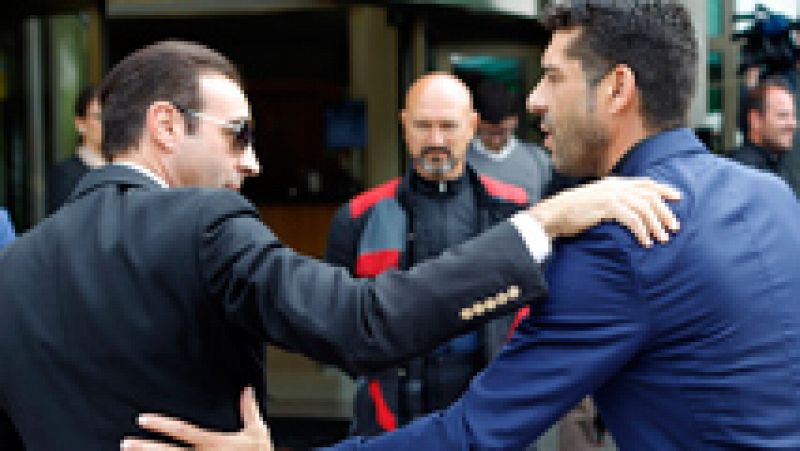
769 138
496 151
64 176
440 202
7 233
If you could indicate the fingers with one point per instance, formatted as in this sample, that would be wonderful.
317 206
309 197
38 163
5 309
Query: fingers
657 194
648 223
255 432
139 444
248 406
646 200
631 220
667 192
664 214
175 428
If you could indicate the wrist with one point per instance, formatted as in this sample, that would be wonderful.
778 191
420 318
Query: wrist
544 215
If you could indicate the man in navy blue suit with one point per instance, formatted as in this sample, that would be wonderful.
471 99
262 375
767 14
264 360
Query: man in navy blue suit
694 344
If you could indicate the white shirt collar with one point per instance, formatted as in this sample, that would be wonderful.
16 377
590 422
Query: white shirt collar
90 158
144 171
495 156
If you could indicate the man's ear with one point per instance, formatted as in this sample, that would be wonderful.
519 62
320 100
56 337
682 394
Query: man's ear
513 122
754 119
472 122
80 125
164 125
621 90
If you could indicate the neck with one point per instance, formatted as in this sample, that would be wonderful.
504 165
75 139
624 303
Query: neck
443 179
623 140
91 156
759 142
147 161
454 174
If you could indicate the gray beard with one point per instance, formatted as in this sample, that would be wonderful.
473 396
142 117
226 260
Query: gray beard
438 170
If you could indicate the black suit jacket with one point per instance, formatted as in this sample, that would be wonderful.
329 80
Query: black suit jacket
135 298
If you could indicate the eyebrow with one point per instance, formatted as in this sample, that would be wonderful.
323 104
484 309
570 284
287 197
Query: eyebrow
549 68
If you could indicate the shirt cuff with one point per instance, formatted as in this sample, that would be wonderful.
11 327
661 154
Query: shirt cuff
532 233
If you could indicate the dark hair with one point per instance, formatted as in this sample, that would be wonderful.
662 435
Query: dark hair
757 97
494 102
166 71
84 98
654 38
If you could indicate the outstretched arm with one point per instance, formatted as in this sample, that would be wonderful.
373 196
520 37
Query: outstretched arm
639 204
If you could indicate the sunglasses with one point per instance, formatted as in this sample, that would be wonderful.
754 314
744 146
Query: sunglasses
240 129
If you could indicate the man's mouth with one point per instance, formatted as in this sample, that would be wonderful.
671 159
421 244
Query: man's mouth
436 152
546 135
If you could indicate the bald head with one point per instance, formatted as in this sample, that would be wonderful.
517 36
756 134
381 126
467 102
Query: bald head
439 122
438 87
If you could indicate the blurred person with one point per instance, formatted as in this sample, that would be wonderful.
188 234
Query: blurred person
194 284
7 233
690 345
771 125
496 151
439 202
64 176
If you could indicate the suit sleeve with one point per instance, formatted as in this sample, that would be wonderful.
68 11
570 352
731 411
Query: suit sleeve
592 325
361 325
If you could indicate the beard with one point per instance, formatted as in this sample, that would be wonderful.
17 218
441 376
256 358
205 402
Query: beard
773 142
435 161
578 146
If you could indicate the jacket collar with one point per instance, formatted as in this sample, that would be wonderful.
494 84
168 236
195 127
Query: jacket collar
470 178
661 146
772 159
436 188
113 174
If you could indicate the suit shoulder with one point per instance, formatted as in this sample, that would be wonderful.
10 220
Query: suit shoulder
366 200
209 204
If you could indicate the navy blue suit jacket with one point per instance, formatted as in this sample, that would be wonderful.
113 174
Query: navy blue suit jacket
691 345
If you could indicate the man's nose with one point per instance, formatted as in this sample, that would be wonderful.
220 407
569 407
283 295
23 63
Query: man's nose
535 102
437 136
249 165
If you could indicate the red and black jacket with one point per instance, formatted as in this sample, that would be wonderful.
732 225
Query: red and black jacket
369 235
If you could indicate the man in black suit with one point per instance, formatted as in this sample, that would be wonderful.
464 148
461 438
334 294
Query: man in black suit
193 283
